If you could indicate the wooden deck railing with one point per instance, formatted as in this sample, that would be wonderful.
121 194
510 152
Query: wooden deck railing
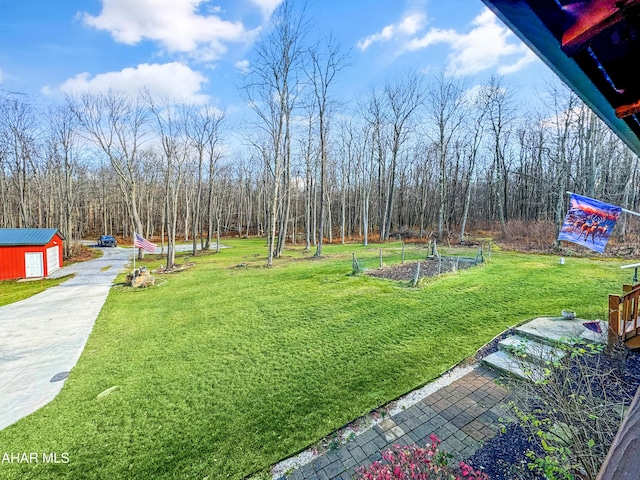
624 324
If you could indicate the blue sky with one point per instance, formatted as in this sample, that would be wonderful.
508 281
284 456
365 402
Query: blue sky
196 48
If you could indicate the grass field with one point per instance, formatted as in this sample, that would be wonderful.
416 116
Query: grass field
222 370
12 291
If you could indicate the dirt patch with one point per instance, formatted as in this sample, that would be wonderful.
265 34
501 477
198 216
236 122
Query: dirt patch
81 253
175 269
428 268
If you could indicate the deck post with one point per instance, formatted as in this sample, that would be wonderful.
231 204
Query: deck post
614 319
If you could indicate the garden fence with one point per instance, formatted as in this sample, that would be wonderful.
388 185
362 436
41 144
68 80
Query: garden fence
376 257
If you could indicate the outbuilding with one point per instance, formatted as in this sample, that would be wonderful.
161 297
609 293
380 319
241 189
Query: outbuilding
29 252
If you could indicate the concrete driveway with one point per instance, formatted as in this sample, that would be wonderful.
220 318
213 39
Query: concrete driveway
42 337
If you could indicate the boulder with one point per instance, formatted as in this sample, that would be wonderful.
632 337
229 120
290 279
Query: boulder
141 278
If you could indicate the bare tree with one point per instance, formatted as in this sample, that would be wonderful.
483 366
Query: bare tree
564 104
64 153
326 63
204 128
500 116
375 117
117 124
404 96
271 88
445 111
171 127
630 195
19 132
348 156
308 151
475 129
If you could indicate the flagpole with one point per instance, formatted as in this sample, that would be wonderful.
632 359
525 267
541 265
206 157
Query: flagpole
623 209
134 253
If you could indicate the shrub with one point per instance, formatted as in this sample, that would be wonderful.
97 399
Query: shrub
575 411
416 463
536 235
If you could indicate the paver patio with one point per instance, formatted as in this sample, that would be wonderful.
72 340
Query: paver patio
463 414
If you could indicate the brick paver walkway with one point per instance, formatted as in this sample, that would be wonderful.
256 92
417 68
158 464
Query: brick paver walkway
463 415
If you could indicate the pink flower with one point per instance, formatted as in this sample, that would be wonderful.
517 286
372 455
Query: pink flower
418 463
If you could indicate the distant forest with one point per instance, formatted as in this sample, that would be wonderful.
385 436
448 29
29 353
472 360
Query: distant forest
416 155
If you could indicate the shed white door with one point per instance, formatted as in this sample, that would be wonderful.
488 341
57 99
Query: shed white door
33 264
53 259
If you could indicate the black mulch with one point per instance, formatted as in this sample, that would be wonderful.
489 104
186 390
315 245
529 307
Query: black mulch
504 456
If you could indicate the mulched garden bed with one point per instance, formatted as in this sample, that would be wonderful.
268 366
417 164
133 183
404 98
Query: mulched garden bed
504 456
428 268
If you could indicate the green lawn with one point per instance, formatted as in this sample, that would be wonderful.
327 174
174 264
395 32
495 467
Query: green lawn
224 370
12 291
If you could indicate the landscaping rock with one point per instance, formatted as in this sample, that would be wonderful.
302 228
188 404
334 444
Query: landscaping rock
141 278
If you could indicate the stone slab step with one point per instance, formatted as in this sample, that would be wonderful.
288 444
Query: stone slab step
506 363
534 351
554 330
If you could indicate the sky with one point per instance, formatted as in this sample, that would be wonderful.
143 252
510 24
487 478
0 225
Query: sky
197 49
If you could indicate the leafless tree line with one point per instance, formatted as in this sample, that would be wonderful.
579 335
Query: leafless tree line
427 155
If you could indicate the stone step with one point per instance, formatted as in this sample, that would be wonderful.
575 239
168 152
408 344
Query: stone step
532 350
554 330
507 363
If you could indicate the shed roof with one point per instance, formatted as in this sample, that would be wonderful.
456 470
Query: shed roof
27 236
593 46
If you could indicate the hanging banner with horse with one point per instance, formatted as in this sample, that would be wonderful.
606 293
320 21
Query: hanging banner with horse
589 222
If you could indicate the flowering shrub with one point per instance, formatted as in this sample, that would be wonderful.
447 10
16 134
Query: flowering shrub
416 463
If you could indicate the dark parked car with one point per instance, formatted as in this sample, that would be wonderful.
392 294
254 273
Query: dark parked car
107 241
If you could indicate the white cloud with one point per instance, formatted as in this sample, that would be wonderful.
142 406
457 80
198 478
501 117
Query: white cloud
571 115
267 6
487 45
242 66
528 57
471 95
409 25
175 24
169 80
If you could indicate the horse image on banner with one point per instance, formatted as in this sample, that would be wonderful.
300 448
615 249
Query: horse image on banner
589 222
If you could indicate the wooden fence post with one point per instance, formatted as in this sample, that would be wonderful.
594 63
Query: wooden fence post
355 267
416 275
380 258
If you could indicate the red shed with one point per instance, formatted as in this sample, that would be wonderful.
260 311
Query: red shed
29 252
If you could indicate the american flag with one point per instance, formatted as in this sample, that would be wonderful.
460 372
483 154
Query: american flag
141 242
